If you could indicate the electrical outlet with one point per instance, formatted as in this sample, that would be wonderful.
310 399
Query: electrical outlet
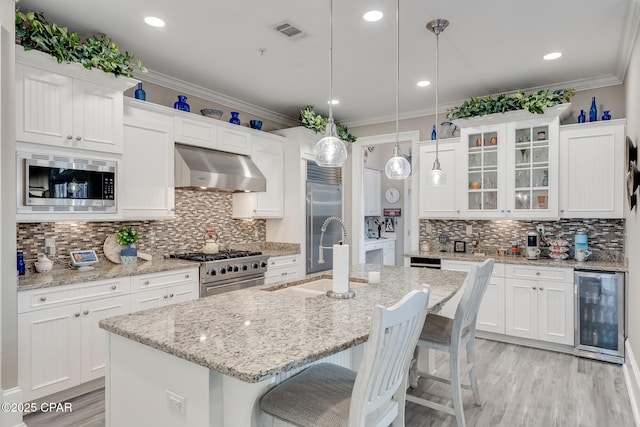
469 230
50 246
428 228
176 403
540 229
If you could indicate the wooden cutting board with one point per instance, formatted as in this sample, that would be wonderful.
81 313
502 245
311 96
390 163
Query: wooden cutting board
112 249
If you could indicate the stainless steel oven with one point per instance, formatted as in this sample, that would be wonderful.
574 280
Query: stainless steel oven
227 271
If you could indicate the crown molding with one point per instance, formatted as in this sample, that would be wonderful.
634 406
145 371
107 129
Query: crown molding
217 97
629 35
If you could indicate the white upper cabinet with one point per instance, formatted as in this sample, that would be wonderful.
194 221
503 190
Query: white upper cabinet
71 108
212 134
592 174
371 180
268 155
146 189
439 201
234 139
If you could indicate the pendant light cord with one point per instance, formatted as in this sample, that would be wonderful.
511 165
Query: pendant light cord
331 63
437 86
397 72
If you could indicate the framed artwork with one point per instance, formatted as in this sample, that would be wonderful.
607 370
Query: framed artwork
389 225
459 246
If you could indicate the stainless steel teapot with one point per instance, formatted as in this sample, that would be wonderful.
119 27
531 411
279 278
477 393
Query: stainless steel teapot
447 130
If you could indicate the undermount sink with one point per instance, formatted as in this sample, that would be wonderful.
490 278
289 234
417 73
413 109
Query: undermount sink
315 288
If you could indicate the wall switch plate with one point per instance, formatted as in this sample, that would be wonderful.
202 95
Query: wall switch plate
50 246
469 230
176 403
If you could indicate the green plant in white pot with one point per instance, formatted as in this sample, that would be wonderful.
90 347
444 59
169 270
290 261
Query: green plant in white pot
126 237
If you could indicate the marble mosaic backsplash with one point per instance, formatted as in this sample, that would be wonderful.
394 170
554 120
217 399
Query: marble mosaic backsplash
196 212
606 236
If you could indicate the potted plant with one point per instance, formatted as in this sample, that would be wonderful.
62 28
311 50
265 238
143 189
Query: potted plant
318 124
126 237
33 31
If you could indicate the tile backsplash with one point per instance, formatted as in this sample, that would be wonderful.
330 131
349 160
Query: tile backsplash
196 212
606 236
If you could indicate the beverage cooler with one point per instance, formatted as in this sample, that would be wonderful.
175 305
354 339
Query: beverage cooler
600 315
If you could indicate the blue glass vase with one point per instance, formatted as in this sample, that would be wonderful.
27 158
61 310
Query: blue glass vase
140 93
582 117
434 136
181 104
606 115
234 118
593 111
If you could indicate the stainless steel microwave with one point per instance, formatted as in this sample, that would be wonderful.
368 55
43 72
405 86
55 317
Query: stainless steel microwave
57 183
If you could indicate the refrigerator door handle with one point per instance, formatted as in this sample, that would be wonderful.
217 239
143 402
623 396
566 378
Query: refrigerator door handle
310 244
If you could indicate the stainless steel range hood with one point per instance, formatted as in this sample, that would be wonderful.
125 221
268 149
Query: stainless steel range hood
197 167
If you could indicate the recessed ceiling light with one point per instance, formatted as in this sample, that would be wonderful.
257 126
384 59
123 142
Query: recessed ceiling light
423 83
154 21
372 16
550 56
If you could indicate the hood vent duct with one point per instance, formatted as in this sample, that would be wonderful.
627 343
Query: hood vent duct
202 168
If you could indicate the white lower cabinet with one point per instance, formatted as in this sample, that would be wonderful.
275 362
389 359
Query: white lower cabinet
60 344
283 268
540 303
389 252
158 289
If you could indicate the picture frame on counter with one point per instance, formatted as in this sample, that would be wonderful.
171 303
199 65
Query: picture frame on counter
459 246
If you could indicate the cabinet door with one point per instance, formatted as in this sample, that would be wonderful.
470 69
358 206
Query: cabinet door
592 159
482 185
196 131
146 187
43 106
439 201
532 169
521 308
491 312
49 350
97 117
236 140
389 253
555 312
94 352
372 197
268 156
183 293
152 298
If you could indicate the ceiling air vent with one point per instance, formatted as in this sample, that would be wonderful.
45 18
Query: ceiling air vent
289 30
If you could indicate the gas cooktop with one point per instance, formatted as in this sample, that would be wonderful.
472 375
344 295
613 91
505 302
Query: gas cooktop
204 257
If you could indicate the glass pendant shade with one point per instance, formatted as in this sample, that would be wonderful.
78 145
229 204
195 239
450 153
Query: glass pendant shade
330 151
437 177
397 167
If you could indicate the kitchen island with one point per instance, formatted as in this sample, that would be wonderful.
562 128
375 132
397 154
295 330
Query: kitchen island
207 362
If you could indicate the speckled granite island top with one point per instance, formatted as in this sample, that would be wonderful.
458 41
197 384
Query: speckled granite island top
254 333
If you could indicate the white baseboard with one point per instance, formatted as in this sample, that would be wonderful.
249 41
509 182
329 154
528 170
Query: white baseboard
11 418
632 380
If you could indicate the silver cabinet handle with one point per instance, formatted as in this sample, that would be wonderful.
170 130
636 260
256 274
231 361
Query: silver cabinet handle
114 287
170 295
537 273
502 210
146 282
77 314
78 138
534 288
69 136
541 288
43 298
187 275
86 312
561 210
295 260
166 296
508 210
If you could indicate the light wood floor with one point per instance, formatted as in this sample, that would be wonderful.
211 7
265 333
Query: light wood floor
519 386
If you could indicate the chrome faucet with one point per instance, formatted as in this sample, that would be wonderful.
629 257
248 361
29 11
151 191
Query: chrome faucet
323 229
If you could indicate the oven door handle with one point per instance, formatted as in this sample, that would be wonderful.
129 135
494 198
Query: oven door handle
234 283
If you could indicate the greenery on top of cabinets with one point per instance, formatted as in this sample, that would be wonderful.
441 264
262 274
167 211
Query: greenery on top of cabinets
318 124
33 31
534 103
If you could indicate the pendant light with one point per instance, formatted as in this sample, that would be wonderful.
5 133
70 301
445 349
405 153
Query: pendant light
330 151
397 167
437 176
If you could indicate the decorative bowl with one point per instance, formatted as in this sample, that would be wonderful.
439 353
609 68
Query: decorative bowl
255 124
210 112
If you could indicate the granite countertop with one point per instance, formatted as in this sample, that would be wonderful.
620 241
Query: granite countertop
248 334
62 274
542 262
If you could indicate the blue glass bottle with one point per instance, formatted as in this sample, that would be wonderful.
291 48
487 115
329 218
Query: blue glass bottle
140 93
606 115
181 104
234 118
593 112
434 136
582 117
21 266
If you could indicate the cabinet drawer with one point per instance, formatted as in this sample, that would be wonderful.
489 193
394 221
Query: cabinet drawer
373 246
391 245
498 269
164 279
540 273
69 294
283 261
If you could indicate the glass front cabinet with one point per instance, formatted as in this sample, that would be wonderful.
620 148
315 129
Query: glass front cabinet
511 169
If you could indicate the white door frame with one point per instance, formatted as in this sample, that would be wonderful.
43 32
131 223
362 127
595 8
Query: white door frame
357 201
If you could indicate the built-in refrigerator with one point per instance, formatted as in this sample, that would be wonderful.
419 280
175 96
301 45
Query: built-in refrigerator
324 199
600 315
